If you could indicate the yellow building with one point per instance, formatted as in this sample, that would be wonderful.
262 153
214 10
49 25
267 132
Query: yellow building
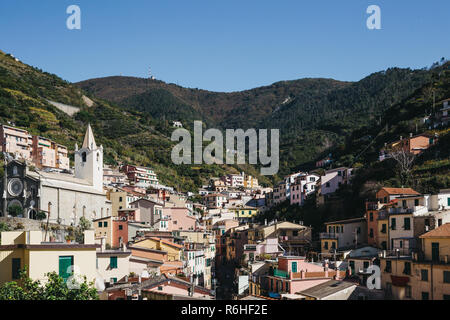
103 229
421 276
245 212
119 200
26 248
174 251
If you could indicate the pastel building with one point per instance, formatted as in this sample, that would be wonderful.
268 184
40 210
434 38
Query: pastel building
303 186
140 176
28 248
16 141
333 179
342 235
113 265
293 274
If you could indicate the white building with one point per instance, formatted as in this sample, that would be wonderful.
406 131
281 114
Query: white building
66 198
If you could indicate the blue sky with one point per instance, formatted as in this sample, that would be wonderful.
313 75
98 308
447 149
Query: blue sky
225 45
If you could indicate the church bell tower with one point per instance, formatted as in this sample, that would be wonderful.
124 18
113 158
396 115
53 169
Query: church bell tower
89 161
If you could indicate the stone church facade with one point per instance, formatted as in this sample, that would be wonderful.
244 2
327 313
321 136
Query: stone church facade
65 197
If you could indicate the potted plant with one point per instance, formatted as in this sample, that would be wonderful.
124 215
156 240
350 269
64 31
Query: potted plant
69 238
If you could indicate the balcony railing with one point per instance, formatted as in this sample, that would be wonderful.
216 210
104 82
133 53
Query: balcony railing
326 235
280 273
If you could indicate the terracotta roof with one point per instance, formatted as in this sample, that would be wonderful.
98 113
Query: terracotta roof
400 190
167 242
441 232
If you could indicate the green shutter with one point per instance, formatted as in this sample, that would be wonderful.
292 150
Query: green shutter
65 270
113 262
294 266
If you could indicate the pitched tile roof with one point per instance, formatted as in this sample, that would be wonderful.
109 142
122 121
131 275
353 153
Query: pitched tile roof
441 232
400 191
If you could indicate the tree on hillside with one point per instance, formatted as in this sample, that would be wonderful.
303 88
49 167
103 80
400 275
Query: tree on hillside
405 162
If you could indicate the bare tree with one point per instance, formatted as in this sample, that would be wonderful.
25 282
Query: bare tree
405 161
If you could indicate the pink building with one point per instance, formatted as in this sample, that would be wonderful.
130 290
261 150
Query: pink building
178 218
43 152
267 247
334 178
294 274
16 141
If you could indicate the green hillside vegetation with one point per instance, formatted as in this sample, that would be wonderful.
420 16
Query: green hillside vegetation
127 136
431 170
313 115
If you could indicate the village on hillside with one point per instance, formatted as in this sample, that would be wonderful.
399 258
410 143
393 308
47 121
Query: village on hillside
135 238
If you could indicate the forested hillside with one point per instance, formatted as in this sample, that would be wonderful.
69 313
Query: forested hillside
126 135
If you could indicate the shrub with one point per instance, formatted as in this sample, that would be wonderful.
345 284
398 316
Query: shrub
41 215
15 210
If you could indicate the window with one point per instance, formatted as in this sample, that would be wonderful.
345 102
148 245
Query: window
371 216
113 262
439 222
287 286
15 268
295 233
100 224
83 157
446 276
65 267
383 228
325 245
404 203
407 269
105 224
408 291
393 223
424 275
371 233
327 184
407 222
416 202
425 295
388 266
333 245
342 229
120 227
